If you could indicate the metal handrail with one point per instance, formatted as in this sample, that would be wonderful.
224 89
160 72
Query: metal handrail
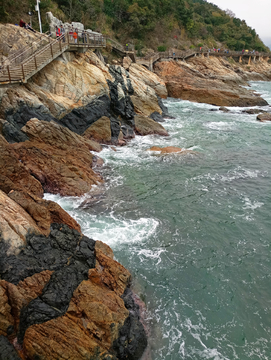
23 53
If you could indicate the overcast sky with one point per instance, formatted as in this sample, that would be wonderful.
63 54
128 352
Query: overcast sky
256 13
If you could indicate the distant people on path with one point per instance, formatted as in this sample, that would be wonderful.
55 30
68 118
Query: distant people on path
84 36
127 46
75 36
62 32
57 32
71 33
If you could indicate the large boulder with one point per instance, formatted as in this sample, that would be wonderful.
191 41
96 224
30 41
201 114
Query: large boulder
264 117
147 126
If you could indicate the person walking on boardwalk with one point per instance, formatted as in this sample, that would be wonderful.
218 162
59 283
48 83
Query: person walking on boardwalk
62 32
71 32
57 32
75 36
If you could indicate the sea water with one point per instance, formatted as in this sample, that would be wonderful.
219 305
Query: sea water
194 230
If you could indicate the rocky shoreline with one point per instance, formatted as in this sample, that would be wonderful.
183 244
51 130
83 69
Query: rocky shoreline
63 296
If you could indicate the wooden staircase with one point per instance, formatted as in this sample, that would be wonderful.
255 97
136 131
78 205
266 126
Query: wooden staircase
26 64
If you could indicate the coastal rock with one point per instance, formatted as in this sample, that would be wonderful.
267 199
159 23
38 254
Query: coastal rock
58 158
91 315
188 83
224 109
264 117
14 175
43 212
149 78
171 150
100 131
15 224
147 126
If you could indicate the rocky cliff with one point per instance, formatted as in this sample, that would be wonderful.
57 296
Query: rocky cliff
63 296
213 80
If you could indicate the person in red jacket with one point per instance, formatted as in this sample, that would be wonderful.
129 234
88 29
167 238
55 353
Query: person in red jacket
22 23
57 32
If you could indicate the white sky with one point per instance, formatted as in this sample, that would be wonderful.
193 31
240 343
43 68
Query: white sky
256 13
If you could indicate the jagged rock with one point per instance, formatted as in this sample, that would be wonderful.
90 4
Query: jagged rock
253 111
14 175
58 158
76 319
149 78
99 131
15 224
43 212
189 82
7 351
157 117
264 117
126 62
147 126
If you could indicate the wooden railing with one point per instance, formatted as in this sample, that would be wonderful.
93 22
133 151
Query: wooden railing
35 62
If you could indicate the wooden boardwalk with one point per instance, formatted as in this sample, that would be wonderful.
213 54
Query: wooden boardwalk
149 60
24 65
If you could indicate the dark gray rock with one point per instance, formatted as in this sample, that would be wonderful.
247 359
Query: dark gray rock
224 109
79 119
132 339
157 117
7 351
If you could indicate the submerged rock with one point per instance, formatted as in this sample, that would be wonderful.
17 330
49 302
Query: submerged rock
264 117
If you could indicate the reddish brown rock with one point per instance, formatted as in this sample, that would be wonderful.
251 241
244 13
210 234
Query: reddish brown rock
264 117
15 224
43 212
14 175
171 150
58 158
99 131
93 320
146 126
188 83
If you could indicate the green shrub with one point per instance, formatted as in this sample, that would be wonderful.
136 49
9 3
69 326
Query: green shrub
162 48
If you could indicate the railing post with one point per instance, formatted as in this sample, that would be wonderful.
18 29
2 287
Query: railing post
23 70
51 50
9 74
35 61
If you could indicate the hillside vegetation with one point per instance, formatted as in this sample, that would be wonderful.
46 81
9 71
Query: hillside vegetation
147 23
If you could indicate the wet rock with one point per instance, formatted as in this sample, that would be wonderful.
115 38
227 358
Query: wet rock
166 150
253 111
7 351
132 340
43 212
157 117
264 117
147 126
224 109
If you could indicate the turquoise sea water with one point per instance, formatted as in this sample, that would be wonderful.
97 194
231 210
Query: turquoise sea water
194 230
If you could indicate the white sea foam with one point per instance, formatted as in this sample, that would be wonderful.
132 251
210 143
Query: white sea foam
221 125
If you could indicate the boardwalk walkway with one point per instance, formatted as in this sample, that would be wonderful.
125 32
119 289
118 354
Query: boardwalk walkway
20 68
150 59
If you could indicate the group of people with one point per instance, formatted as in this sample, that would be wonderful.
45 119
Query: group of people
73 33
26 25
